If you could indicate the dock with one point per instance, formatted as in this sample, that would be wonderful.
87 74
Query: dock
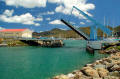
32 42
44 42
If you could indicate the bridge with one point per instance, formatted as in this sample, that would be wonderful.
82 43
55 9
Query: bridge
78 31
92 40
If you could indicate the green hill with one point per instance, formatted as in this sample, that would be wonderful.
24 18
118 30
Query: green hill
59 33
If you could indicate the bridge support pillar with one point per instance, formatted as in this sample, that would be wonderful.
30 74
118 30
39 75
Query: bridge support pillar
93 33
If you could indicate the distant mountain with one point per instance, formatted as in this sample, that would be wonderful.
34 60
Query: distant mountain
61 33
58 33
117 29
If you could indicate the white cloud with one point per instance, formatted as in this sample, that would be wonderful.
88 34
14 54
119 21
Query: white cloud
50 13
56 22
88 21
47 13
41 31
38 19
67 5
37 24
26 3
82 23
1 28
64 6
54 1
8 12
27 18
72 22
48 19
62 29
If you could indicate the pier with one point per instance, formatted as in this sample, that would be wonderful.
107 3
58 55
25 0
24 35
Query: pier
43 42
32 42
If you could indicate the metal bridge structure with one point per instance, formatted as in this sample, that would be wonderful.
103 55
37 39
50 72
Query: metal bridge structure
92 40
93 30
78 31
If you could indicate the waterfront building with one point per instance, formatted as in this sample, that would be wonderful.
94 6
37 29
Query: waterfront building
16 33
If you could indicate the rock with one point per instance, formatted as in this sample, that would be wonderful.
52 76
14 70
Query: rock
111 77
70 75
96 78
102 72
90 72
84 77
105 59
106 68
97 62
112 50
78 75
105 63
75 71
115 68
109 60
115 57
109 65
89 65
99 66
61 77
116 61
115 73
102 52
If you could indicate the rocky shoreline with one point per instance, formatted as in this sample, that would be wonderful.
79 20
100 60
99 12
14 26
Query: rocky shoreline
105 68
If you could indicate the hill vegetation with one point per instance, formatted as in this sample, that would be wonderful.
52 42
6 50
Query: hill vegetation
59 33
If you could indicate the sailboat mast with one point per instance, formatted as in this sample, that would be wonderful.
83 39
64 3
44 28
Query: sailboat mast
104 25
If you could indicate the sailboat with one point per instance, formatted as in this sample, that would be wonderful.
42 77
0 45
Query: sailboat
111 39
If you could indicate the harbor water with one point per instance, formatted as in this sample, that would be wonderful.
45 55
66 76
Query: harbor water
43 63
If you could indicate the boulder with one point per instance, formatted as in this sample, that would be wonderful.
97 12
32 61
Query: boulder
115 68
109 60
112 50
102 72
115 73
111 77
105 63
98 62
99 66
71 76
97 78
88 71
90 65
75 71
61 77
78 75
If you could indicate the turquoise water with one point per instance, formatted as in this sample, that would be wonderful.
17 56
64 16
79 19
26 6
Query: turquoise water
43 63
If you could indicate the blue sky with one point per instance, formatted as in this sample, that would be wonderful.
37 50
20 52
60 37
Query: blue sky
42 15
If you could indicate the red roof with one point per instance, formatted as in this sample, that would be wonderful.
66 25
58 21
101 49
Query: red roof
12 30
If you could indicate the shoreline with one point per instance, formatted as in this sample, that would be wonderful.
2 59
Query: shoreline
105 68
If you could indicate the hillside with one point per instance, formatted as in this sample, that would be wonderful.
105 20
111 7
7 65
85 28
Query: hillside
59 33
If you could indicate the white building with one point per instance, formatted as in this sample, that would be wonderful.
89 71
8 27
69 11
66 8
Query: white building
16 33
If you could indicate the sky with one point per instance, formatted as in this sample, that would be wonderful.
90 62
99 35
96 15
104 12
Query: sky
44 15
